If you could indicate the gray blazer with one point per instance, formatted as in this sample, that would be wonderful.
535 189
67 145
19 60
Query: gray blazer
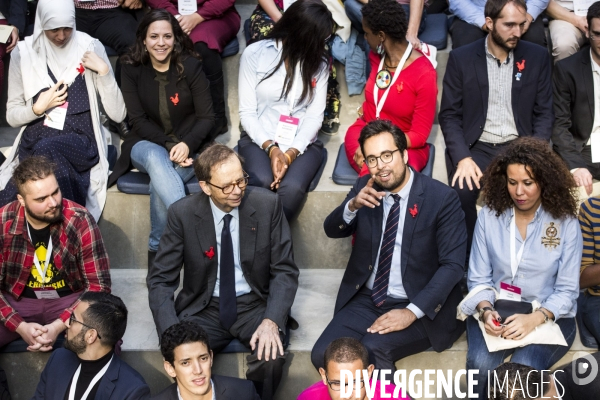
265 253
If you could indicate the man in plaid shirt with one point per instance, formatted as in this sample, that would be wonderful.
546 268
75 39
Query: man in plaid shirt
51 252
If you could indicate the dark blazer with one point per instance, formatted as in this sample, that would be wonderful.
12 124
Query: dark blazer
120 382
465 95
226 388
573 85
265 253
191 113
434 246
15 12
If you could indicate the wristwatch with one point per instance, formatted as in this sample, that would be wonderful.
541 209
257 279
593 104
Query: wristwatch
268 148
482 311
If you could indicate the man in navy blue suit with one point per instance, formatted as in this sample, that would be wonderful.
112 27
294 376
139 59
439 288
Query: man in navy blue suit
495 90
400 290
87 367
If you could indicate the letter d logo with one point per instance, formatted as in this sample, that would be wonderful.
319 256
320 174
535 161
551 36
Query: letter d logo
584 364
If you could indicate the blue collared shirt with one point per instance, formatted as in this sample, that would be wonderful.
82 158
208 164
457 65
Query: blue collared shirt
472 11
549 268
241 285
395 287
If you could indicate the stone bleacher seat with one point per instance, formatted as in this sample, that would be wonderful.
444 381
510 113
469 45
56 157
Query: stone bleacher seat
135 182
344 174
231 49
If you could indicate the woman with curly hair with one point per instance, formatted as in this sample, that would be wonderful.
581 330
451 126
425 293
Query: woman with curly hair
526 247
402 86
170 110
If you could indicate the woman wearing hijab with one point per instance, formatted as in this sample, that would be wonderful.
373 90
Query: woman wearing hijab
55 78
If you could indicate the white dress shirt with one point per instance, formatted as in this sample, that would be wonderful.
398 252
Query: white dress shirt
241 285
260 102
395 286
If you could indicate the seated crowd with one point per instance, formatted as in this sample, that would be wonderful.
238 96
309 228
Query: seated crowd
519 137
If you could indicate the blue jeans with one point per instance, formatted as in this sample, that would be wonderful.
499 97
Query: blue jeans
167 181
590 313
537 356
353 11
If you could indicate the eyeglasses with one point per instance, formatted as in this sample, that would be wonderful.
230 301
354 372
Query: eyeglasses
594 37
337 386
72 319
386 157
227 189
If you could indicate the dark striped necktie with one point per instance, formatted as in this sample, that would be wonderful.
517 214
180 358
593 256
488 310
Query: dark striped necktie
382 278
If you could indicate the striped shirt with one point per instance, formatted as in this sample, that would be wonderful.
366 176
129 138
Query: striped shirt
500 124
589 220
96 4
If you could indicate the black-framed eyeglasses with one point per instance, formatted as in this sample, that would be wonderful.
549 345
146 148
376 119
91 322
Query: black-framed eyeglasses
337 386
594 37
227 189
386 157
72 319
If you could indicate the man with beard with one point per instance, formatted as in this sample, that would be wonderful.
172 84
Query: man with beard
495 90
235 246
51 253
400 290
87 368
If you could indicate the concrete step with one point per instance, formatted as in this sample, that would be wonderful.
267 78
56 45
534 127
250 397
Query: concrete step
313 309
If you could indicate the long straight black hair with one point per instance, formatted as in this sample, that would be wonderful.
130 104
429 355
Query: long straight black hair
182 48
303 30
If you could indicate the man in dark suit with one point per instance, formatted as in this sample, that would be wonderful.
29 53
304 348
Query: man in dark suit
188 359
399 293
88 364
576 91
240 276
495 90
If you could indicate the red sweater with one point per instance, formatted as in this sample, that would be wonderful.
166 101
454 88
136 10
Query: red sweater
410 105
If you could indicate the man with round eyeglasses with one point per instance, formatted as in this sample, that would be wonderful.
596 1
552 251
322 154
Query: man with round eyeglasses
240 276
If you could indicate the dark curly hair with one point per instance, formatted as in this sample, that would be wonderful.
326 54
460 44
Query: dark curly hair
544 166
182 48
386 16
181 333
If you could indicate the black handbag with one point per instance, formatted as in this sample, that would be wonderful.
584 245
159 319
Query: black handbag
506 308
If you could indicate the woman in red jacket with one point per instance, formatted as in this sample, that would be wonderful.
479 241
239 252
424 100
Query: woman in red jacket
409 99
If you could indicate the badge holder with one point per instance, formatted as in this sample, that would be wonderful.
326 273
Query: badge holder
287 127
56 118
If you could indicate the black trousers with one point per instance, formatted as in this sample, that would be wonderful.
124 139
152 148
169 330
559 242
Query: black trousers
483 154
295 183
266 375
464 33
113 27
213 68
384 350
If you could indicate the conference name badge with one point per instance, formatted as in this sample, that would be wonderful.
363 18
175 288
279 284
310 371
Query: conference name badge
187 7
286 130
46 293
509 292
56 118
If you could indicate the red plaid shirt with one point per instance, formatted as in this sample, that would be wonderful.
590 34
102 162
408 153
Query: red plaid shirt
79 254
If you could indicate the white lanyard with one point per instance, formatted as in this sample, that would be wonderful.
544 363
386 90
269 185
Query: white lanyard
98 376
379 107
292 93
36 261
515 260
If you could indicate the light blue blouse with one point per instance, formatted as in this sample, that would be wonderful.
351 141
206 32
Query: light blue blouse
548 271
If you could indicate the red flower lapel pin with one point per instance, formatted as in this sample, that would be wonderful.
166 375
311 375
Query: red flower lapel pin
210 253
175 99
81 69
413 211
520 67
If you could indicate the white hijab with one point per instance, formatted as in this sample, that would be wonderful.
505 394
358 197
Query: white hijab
38 52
